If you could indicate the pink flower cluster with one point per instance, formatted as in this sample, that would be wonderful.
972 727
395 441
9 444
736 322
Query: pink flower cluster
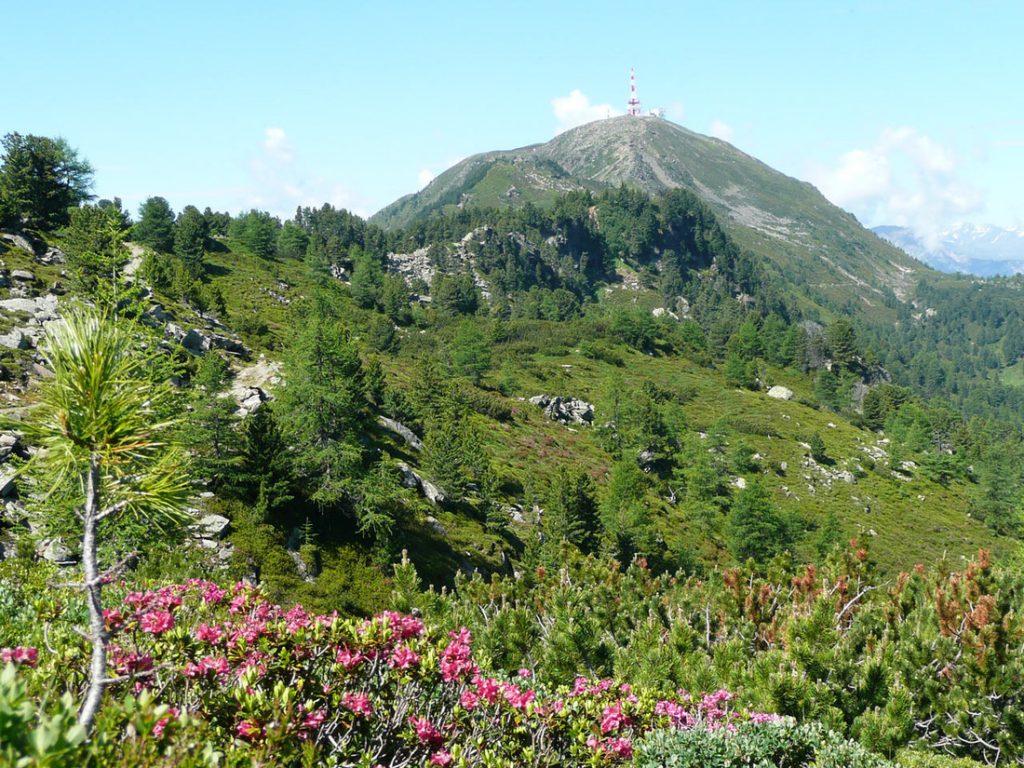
457 657
21 654
426 690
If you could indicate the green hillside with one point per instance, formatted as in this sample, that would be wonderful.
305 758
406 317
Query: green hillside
785 220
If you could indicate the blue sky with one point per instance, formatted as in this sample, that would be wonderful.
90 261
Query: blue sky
903 112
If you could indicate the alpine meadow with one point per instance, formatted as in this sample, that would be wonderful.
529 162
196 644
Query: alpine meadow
621 448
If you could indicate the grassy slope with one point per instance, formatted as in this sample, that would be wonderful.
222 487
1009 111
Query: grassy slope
529 448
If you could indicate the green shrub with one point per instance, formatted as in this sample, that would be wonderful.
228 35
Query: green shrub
777 745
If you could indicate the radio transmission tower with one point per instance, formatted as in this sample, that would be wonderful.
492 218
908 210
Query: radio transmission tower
633 105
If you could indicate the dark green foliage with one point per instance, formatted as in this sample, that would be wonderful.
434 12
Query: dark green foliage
756 529
292 241
571 512
818 450
624 514
471 351
842 343
323 407
263 474
381 504
367 279
257 230
40 180
829 536
155 227
211 430
454 294
190 240
96 254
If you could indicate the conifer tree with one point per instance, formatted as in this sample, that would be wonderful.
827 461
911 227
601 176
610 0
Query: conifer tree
756 529
572 514
264 470
211 431
155 227
322 406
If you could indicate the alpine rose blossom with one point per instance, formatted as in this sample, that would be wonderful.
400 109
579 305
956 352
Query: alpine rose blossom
156 622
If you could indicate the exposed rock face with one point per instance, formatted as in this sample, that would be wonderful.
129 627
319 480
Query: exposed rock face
23 275
410 479
781 393
199 342
565 410
402 431
249 399
56 551
413 266
212 526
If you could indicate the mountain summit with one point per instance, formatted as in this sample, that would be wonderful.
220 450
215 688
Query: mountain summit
786 220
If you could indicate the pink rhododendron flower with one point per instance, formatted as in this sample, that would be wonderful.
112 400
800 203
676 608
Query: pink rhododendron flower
426 732
358 703
613 718
348 658
621 748
469 700
247 729
457 658
487 688
441 757
161 724
156 622
403 657
112 619
21 654
208 633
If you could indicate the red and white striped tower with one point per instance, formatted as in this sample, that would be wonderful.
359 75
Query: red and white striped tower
633 105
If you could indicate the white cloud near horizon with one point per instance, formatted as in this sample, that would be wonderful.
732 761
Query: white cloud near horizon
424 177
721 130
575 109
279 183
905 178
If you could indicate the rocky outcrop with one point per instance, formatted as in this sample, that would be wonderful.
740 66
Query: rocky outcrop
200 342
212 526
565 410
430 491
781 393
413 266
402 431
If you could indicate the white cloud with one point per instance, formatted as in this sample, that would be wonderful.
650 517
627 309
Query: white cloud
576 109
276 144
905 178
279 182
424 177
721 130
676 111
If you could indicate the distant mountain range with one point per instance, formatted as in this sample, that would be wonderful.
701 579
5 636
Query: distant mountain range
977 250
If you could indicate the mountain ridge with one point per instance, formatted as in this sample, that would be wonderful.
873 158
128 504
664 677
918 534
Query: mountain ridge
982 250
785 220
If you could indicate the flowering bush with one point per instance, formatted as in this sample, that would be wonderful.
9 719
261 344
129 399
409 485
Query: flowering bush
266 681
